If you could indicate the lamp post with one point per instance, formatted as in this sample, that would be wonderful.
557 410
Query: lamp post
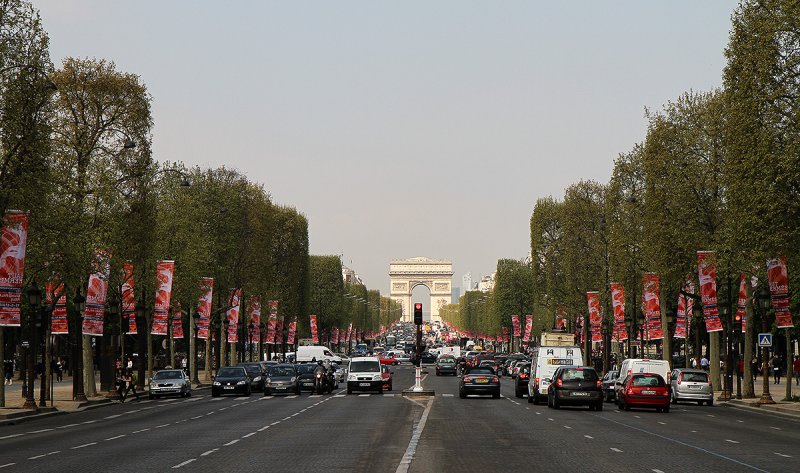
77 373
193 323
667 346
141 337
606 331
251 329
628 330
764 303
727 386
640 319
34 299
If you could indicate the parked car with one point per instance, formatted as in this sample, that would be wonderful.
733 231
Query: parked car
521 380
170 382
386 374
691 385
446 365
479 380
281 379
609 381
231 380
575 386
257 375
644 390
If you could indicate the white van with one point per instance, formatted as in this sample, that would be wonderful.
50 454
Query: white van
307 354
642 365
544 363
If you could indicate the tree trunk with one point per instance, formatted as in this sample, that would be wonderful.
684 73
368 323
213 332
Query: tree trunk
748 391
713 348
89 386
666 345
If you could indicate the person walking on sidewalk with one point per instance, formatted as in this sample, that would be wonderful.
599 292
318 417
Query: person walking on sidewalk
704 363
775 366
756 368
8 368
122 386
59 370
131 384
796 370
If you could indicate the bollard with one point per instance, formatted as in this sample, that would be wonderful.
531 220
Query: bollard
418 380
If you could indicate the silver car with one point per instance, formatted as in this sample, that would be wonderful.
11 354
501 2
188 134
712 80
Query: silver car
691 385
173 382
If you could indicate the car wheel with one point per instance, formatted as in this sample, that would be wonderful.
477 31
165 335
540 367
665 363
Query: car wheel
549 402
710 402
518 393
496 395
349 391
658 409
266 392
248 392
620 404
462 394
591 407
151 396
666 409
599 407
672 398
532 399
556 405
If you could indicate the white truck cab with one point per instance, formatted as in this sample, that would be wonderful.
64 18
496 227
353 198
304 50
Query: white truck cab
545 361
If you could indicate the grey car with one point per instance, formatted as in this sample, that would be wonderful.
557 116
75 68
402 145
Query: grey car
170 382
691 385
281 379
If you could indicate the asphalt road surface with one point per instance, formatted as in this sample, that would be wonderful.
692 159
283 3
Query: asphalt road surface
389 433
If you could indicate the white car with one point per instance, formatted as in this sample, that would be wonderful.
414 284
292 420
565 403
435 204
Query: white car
364 374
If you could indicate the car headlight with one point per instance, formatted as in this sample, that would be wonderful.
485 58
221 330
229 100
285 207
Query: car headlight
269 380
217 383
376 377
352 377
257 379
241 382
294 379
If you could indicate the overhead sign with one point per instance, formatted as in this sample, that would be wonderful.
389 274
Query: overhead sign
765 339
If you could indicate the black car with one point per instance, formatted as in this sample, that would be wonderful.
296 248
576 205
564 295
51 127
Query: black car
609 391
479 380
305 376
257 375
575 386
521 380
231 380
428 358
446 365
281 379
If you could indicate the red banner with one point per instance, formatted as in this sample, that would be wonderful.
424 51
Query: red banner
177 323
232 315
561 318
595 319
58 319
528 328
778 277
254 319
741 303
652 307
292 332
95 308
12 266
204 307
313 323
707 275
618 305
128 297
165 270
279 331
515 324
681 317
272 322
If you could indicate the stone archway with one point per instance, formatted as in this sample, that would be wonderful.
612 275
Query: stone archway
435 274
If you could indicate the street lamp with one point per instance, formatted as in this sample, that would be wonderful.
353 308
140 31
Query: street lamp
34 299
77 373
764 303
628 324
641 320
141 337
727 386
666 345
194 321
251 328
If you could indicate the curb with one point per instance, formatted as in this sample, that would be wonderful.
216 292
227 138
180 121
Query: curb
768 409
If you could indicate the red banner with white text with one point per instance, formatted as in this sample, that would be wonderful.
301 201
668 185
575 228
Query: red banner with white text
778 277
254 318
272 322
652 307
128 297
618 306
707 275
12 266
528 327
279 331
313 324
232 315
177 323
165 271
561 318
515 324
204 307
290 337
95 309
741 303
58 318
595 318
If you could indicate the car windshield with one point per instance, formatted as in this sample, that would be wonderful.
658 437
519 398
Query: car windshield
695 377
305 369
447 361
168 375
252 369
481 370
364 367
276 371
578 374
230 372
648 380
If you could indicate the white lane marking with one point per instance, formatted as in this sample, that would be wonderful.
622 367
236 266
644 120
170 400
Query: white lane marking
408 456
230 443
275 423
694 431
776 428
709 415
550 419
662 423
216 399
184 463
40 431
113 417
268 397
567 427
292 396
195 417
160 426
739 421
315 395
248 435
263 428
731 441
782 455
115 438
287 418
242 398
208 452
589 437
10 437
637 417
181 421
616 450
294 414
66 426
89 422
7 464
656 470
338 395
364 395
44 455
447 395
538 413
84 445
389 395
139 431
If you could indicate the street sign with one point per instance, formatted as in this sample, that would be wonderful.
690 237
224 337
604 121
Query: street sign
765 339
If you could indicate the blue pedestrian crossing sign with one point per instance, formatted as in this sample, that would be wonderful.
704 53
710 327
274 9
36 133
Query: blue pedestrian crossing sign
765 339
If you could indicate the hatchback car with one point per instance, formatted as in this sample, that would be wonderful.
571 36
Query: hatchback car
170 382
281 379
446 365
644 390
575 386
479 380
231 380
257 375
691 385
521 380
305 376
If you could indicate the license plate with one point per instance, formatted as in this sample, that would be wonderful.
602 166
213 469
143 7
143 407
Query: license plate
648 392
308 384
227 387
280 387
694 387
580 393
481 380
363 384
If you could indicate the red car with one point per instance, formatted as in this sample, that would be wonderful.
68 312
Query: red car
644 390
386 374
387 359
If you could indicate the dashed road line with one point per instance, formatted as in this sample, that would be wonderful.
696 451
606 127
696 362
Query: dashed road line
115 438
662 423
567 427
184 463
84 445
782 455
263 428
11 437
89 422
208 452
447 395
7 465
616 450
160 426
140 431
230 443
196 417
589 437
776 428
731 441
40 431
67 426
656 470
44 455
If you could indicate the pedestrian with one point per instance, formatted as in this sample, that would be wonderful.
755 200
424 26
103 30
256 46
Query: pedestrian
740 369
8 367
183 363
122 386
129 365
756 368
131 379
796 370
775 365
704 363
59 370
694 362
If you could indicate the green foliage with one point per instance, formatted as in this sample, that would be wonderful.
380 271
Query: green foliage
326 290
513 291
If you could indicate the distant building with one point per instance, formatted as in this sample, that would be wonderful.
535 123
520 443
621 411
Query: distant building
487 283
456 294
349 276
466 282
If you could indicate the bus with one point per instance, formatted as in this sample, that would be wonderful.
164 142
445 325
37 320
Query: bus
391 342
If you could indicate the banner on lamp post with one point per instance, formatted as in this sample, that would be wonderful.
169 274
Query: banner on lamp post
58 318
515 325
128 297
232 315
707 275
204 307
279 331
595 319
12 266
652 307
528 327
681 318
778 278
620 332
313 324
561 318
95 308
165 271
254 319
290 337
272 322
177 323
741 302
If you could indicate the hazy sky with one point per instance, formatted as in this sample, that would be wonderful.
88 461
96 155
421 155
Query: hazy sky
402 129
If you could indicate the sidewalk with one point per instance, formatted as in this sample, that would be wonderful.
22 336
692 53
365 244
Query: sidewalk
778 392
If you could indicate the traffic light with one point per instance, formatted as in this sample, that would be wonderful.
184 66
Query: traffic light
418 313
737 323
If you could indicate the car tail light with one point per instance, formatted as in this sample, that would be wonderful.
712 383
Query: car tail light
680 378
629 372
599 384
536 381
558 382
630 390
523 375
495 379
467 379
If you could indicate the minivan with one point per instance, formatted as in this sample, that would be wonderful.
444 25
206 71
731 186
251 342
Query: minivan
642 365
545 361
315 353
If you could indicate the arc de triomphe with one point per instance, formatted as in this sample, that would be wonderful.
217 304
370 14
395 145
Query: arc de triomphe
435 274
